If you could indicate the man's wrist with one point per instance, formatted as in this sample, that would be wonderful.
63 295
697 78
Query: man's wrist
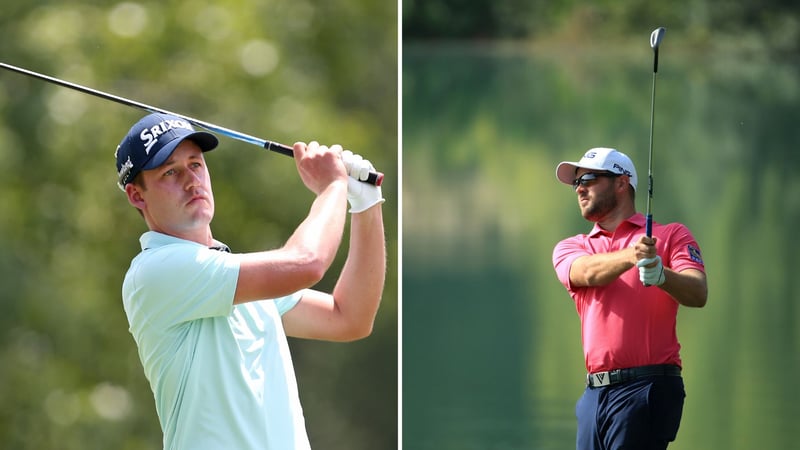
363 209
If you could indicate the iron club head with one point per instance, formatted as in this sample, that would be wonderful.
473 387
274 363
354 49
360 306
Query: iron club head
656 36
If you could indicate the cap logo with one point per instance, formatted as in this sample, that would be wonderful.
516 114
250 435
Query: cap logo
126 168
590 154
622 169
149 136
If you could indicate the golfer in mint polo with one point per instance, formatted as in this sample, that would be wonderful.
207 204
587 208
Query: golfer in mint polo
211 324
627 288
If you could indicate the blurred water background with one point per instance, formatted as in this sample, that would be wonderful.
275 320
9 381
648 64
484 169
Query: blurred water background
492 356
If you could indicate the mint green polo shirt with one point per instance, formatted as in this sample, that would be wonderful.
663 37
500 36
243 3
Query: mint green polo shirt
221 375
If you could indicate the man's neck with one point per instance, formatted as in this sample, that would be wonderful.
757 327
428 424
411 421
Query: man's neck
616 217
201 236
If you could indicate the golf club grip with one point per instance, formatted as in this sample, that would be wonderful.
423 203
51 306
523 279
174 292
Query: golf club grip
648 230
374 178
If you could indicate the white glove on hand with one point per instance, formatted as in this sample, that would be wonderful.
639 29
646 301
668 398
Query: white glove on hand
651 276
361 196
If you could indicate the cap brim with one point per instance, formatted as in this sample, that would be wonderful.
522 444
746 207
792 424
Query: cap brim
206 141
565 171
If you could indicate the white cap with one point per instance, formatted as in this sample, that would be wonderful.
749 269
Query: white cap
599 158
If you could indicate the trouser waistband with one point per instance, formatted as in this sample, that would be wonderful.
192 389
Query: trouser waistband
617 376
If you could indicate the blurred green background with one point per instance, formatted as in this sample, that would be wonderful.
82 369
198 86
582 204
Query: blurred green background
283 70
495 94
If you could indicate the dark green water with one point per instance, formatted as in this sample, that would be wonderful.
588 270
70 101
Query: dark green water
491 343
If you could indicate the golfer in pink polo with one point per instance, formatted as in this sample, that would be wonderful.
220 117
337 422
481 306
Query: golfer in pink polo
627 289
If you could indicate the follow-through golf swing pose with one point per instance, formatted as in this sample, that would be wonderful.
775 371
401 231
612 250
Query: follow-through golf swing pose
627 277
634 394
211 325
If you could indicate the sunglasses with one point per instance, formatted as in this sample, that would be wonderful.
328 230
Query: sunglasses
590 177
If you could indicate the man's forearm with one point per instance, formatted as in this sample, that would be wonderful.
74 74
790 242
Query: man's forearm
601 268
320 233
360 286
689 287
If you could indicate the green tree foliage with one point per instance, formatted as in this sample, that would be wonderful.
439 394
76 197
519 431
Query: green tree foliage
283 70
775 22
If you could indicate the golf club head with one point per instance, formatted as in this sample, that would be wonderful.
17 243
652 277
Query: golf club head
656 36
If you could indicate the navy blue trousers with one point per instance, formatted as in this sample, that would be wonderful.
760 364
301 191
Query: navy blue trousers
642 414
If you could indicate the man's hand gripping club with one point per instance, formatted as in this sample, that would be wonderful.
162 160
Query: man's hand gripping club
651 270
361 196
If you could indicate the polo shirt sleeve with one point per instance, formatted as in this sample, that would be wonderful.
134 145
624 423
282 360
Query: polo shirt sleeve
684 253
179 282
564 254
284 304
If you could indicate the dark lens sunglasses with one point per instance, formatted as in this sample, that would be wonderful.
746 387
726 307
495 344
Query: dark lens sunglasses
590 177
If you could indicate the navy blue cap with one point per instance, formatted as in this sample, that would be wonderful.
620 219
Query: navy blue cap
152 140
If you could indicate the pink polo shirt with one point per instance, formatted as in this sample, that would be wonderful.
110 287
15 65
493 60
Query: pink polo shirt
625 324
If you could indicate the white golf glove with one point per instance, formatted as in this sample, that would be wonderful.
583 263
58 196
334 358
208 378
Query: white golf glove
360 195
651 276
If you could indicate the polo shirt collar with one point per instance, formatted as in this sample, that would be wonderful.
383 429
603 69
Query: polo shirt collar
637 221
154 239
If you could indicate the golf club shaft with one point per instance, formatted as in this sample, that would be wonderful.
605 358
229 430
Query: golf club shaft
375 178
655 41
649 222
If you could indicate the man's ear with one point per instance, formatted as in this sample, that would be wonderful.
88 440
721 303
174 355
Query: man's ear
623 181
134 194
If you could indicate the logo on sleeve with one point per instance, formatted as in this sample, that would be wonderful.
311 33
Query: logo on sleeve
694 253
